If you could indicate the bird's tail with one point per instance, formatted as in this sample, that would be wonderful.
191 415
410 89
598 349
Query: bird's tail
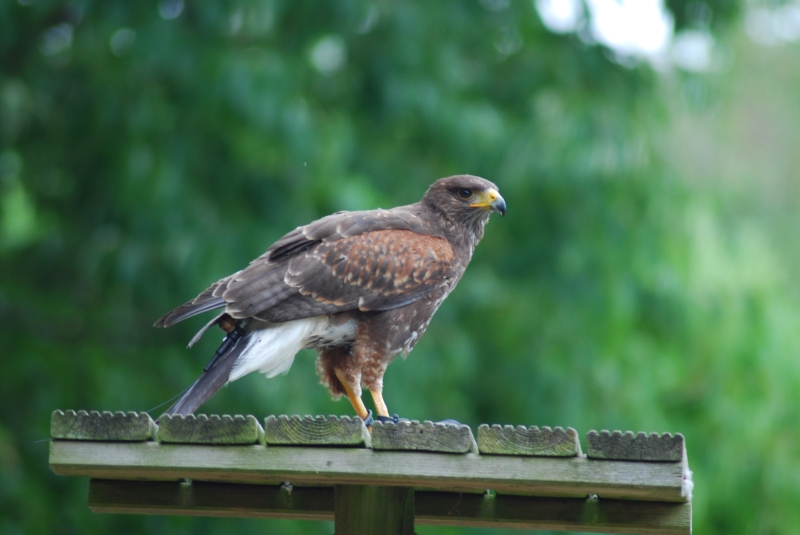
215 374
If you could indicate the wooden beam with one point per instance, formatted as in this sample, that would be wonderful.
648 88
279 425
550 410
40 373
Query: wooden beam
214 429
438 508
521 440
543 476
639 447
199 498
95 425
426 436
316 431
369 509
560 514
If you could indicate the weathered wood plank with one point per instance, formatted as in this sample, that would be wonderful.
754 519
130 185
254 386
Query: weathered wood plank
426 436
543 476
521 440
368 509
439 508
559 514
200 498
315 431
214 429
629 447
106 426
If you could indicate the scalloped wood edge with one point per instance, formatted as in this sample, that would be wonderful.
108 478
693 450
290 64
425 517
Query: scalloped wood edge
426 436
102 426
626 446
210 429
332 430
531 441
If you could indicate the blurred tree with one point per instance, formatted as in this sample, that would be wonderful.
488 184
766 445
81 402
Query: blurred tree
149 148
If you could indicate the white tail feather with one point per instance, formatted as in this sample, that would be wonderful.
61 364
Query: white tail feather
271 349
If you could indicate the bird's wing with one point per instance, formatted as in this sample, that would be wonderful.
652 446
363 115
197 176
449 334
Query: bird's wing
344 225
372 271
377 270
294 272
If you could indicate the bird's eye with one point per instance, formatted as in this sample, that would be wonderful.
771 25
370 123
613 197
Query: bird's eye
465 193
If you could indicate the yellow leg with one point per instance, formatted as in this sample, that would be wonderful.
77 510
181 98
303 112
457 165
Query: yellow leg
358 405
380 405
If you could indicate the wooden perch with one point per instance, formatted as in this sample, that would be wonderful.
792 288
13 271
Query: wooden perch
426 436
202 429
428 473
521 440
199 498
318 431
543 476
629 447
94 425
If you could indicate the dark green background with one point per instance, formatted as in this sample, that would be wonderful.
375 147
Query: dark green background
644 278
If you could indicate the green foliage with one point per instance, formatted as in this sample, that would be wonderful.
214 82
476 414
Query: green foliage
143 157
691 14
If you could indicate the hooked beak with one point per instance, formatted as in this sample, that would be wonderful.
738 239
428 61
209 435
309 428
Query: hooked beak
490 200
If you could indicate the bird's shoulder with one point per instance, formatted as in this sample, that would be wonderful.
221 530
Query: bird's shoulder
414 218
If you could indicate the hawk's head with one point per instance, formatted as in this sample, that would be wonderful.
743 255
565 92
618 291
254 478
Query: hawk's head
466 200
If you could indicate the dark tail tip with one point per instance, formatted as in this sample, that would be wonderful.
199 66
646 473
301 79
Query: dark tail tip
210 382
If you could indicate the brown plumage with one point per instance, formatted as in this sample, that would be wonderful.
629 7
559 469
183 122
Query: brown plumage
360 287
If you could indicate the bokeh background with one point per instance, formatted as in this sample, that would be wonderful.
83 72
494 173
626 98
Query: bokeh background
645 277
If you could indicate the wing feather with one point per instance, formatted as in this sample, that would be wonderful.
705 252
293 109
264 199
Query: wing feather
202 303
378 270
370 260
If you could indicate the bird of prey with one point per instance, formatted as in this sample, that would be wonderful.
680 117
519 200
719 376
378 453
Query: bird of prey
359 287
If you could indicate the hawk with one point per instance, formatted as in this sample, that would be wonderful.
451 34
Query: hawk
359 287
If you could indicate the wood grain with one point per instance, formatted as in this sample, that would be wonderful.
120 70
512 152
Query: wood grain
105 426
316 431
561 514
437 508
521 440
426 436
542 476
214 429
369 509
199 498
641 447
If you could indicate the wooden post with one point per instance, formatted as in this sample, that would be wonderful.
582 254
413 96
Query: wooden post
369 510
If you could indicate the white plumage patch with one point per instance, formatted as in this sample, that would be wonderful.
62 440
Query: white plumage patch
271 347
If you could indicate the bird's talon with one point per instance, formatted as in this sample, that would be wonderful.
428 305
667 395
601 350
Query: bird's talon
450 421
391 419
369 420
